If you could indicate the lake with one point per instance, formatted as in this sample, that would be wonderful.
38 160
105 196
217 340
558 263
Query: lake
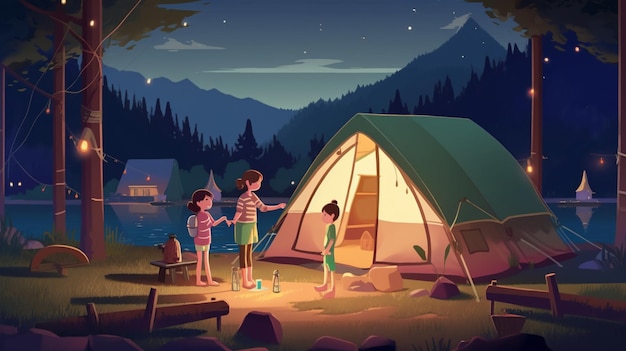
147 225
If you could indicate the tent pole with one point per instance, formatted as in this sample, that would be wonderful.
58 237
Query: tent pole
541 252
469 276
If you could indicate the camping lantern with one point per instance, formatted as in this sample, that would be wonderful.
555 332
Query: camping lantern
276 281
234 276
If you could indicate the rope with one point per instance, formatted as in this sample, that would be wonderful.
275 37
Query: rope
580 236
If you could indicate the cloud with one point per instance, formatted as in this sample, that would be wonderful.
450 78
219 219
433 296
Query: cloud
174 45
308 66
458 22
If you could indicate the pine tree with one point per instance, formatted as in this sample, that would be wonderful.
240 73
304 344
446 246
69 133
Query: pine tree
246 147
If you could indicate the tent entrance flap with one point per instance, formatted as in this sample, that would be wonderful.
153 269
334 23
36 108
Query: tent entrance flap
359 238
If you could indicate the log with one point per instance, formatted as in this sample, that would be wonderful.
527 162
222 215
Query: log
138 321
558 303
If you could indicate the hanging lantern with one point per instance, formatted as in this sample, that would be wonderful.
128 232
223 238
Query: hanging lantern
235 285
276 281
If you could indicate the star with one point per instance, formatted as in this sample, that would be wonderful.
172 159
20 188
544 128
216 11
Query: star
410 28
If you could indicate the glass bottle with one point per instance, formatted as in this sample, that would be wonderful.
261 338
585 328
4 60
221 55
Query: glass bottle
235 284
276 281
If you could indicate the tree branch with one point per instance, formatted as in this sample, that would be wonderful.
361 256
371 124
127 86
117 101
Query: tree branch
63 17
29 84
59 17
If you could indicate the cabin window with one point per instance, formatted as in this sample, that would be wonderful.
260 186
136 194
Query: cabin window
474 241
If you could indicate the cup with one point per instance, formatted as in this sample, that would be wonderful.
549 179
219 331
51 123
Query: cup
259 284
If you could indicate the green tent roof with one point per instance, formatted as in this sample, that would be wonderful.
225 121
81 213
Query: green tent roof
448 159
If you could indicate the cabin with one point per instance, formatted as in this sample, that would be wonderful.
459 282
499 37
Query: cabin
150 179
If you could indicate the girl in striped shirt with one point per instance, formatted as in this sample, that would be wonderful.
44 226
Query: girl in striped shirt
245 220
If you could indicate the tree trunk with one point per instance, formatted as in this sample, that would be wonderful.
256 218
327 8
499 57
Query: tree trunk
620 225
536 152
92 202
2 140
58 130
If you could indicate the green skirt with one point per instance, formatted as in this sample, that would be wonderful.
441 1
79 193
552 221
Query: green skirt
246 233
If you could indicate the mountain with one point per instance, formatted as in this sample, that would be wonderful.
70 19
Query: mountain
463 53
215 113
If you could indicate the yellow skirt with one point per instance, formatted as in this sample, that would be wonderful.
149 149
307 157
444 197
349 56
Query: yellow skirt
246 233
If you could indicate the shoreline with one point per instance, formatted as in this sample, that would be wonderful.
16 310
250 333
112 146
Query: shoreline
224 201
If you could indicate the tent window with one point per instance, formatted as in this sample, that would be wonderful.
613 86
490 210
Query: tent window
474 241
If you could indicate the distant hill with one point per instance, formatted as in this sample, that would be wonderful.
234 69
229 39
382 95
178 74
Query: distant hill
215 113
456 58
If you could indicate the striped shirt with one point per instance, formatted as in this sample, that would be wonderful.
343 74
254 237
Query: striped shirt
247 205
205 223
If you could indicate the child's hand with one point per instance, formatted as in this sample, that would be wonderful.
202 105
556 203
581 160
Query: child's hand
282 205
228 222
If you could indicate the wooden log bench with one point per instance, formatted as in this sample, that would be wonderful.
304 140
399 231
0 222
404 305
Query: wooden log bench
172 268
139 320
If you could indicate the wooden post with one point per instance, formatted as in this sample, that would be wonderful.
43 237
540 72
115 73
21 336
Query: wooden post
58 128
92 317
553 294
493 302
151 309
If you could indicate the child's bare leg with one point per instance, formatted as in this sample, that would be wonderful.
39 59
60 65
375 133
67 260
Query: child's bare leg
330 292
199 269
325 283
207 269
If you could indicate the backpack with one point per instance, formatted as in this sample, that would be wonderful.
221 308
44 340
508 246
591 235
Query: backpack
192 225
171 250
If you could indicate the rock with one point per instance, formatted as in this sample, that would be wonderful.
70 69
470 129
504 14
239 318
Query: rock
517 342
362 286
32 245
348 280
34 339
329 343
104 342
377 343
261 326
444 289
508 324
386 279
199 343
591 265
189 256
418 293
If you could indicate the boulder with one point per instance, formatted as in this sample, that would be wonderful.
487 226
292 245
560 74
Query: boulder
418 293
517 342
348 280
362 286
261 326
593 265
444 289
377 343
386 278
104 342
199 343
329 343
34 339
32 245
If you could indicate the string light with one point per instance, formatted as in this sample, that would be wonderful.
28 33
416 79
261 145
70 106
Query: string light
529 166
48 107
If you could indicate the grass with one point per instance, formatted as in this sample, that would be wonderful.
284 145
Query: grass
122 282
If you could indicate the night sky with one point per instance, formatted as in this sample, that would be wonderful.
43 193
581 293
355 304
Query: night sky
288 53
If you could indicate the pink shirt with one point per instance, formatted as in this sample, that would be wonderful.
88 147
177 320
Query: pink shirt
247 205
205 222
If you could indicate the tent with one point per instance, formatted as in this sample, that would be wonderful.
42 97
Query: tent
404 181
159 178
213 188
